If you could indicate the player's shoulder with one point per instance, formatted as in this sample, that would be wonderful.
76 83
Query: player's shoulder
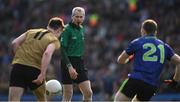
36 30
164 43
136 40
160 41
50 35
47 35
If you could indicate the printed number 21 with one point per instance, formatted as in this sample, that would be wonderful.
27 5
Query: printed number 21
148 55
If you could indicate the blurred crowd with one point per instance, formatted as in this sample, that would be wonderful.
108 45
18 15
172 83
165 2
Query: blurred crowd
109 26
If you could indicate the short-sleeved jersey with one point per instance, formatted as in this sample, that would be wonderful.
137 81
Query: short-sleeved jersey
31 51
150 54
72 40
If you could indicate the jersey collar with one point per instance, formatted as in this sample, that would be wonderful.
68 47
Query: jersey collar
74 25
150 36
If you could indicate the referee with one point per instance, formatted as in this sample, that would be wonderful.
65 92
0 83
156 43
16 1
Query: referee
72 63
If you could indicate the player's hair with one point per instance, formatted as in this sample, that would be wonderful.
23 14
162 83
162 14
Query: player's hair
150 26
79 9
56 23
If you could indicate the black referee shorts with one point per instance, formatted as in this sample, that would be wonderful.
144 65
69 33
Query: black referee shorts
78 64
143 90
22 76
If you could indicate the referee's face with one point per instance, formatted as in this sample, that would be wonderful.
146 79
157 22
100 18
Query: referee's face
78 17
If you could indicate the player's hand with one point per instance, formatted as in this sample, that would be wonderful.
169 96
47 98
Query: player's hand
131 57
73 73
39 79
171 83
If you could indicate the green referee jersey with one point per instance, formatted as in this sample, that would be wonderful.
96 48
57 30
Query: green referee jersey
72 42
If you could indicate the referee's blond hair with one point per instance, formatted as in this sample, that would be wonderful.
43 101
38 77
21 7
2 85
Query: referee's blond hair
79 9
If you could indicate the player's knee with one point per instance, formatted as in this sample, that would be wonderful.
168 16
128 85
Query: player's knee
67 93
13 98
88 94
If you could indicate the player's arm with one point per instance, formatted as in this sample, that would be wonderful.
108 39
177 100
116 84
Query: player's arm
176 60
47 55
173 82
17 42
128 54
124 58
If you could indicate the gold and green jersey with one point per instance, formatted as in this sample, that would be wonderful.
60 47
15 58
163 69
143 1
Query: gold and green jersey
31 51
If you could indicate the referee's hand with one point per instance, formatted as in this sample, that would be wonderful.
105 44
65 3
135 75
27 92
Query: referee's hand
73 73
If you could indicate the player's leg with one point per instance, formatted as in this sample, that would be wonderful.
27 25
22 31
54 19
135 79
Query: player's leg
135 99
177 74
146 91
40 93
67 92
17 83
38 90
121 97
127 91
67 85
15 93
85 88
